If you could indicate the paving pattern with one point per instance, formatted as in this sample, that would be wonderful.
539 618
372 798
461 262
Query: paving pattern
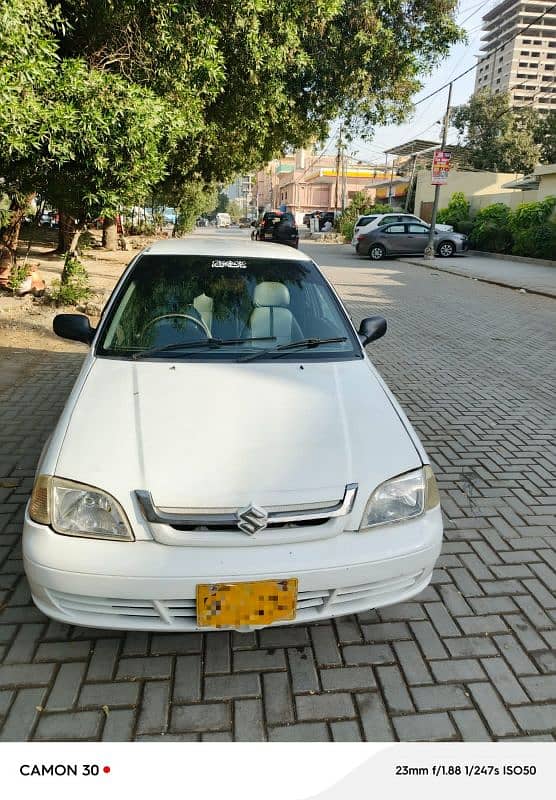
472 658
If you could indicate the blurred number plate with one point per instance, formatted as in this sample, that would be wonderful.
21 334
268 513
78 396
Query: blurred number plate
231 605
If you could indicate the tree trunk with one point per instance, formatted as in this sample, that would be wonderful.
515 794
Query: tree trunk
66 232
9 237
110 234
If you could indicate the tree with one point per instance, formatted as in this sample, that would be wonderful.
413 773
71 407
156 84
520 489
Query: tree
545 136
27 67
495 136
257 78
112 102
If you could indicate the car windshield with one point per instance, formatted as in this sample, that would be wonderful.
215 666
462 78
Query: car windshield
169 304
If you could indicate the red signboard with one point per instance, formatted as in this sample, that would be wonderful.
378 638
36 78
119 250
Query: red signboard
440 167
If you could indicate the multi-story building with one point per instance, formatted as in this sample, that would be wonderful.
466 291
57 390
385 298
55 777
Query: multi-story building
525 66
307 181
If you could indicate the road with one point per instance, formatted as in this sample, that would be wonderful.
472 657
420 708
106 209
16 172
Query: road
472 658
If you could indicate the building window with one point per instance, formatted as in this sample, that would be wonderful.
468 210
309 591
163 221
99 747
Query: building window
535 55
498 80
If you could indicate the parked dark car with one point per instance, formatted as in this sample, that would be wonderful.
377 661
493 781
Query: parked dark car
408 238
277 226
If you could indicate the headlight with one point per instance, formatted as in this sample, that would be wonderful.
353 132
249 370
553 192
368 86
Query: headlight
77 510
401 498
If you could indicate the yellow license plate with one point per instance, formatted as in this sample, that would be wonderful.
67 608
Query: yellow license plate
232 605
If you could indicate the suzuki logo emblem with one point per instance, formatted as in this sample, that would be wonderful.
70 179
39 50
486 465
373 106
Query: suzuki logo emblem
252 519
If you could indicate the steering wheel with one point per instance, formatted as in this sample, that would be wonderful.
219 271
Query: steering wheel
199 322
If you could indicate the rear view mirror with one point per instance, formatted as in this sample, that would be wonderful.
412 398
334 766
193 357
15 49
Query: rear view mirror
371 329
74 326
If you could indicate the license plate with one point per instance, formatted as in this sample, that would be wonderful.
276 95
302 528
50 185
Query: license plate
232 605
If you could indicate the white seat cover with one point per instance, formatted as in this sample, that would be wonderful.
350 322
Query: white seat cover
204 305
271 315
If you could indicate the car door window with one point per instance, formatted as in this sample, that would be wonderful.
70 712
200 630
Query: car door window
415 227
394 229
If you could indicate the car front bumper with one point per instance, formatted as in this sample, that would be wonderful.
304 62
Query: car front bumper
144 585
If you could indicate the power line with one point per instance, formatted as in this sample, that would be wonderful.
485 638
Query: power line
485 58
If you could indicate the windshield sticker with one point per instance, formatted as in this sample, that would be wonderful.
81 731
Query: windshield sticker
223 263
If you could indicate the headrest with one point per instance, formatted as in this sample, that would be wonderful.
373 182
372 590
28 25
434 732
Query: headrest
203 303
271 293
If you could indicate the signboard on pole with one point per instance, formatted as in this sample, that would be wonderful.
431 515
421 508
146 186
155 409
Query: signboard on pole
440 167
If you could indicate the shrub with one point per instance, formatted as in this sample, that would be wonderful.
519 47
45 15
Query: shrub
456 212
531 215
491 229
74 286
17 275
538 241
465 226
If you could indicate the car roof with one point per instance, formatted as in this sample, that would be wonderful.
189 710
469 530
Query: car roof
228 248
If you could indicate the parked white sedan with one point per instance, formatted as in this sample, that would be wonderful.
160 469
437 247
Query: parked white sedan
229 457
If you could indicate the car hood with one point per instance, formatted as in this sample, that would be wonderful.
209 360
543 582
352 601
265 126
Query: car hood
221 434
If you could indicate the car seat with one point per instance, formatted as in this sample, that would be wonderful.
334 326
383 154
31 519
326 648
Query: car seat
204 305
271 315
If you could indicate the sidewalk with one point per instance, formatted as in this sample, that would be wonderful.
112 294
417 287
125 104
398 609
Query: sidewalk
516 275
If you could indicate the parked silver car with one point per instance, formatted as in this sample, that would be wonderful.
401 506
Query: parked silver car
409 238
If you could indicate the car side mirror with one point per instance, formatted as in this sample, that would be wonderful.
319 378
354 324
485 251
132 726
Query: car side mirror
372 328
74 326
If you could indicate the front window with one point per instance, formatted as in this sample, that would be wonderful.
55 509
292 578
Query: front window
173 305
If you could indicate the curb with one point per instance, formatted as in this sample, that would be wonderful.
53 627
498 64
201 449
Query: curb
453 271
540 262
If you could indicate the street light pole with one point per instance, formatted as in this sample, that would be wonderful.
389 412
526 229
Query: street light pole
429 249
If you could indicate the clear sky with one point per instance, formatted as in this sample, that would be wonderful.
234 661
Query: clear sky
423 124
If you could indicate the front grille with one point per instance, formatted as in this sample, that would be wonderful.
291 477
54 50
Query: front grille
182 613
271 525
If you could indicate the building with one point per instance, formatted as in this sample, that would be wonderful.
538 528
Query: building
539 185
481 188
526 66
309 181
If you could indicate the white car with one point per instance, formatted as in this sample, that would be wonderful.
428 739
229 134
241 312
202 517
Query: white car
228 457
368 222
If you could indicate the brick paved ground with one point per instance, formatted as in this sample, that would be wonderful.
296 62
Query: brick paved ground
472 658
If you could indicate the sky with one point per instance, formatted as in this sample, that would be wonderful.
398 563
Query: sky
423 124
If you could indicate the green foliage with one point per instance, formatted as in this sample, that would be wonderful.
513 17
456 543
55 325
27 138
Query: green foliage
529 230
536 242
222 204
103 104
74 285
533 231
18 273
235 211
196 198
545 136
532 215
464 226
457 210
497 137
491 229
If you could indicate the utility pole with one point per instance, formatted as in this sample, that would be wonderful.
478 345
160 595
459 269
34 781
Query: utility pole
389 198
429 249
410 184
338 156
344 179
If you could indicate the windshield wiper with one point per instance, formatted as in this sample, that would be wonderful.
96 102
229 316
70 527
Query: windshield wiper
209 342
301 343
